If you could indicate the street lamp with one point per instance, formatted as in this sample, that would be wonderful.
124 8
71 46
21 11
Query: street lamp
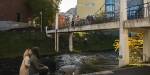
41 20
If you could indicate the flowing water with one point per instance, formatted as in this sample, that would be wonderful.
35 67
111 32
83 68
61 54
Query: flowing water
85 63
66 63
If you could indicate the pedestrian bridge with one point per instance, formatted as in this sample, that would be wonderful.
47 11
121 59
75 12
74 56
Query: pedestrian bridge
126 24
136 23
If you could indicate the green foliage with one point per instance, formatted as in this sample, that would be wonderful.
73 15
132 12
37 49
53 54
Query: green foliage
94 41
47 7
14 43
135 48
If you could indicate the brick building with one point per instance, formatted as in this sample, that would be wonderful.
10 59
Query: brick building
14 10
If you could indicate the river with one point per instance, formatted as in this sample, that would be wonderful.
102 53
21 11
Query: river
81 63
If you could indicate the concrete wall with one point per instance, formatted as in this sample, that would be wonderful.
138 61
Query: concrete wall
7 25
88 7
146 46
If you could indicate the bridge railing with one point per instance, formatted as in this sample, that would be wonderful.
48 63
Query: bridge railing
104 17
100 16
133 12
139 11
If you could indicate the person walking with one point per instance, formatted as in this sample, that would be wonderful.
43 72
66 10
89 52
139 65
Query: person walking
36 67
77 21
24 69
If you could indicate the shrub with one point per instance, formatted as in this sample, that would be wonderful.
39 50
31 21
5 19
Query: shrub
135 48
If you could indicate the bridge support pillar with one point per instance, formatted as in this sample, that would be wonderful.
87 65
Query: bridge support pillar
71 41
56 34
56 41
146 10
146 46
124 48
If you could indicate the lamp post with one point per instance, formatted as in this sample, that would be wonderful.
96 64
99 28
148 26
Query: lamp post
41 20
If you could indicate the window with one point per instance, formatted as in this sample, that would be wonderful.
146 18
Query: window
90 4
135 9
18 17
110 1
110 7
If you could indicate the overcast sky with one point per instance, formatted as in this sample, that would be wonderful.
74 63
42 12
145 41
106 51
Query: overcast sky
67 4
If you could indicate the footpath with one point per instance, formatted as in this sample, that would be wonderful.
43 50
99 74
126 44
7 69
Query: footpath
144 70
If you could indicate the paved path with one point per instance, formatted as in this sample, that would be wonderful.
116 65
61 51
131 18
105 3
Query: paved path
131 71
125 71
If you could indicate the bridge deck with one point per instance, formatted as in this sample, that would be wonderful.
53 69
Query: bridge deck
137 23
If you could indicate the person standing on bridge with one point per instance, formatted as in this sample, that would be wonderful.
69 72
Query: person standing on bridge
70 20
77 20
73 21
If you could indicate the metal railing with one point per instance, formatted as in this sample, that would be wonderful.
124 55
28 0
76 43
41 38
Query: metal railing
139 11
102 16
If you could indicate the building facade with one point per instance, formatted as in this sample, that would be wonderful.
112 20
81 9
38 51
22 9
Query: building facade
88 7
109 7
14 10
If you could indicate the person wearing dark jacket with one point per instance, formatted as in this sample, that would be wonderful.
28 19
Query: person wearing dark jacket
35 66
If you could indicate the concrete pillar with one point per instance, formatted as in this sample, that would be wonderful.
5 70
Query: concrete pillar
56 41
124 48
146 9
71 41
123 10
146 1
56 21
56 34
146 46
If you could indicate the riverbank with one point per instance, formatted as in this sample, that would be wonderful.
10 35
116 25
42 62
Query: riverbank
100 63
91 62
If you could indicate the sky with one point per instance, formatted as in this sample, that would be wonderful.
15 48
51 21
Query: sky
67 4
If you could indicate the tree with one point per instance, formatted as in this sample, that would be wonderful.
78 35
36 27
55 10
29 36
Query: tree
135 48
47 7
